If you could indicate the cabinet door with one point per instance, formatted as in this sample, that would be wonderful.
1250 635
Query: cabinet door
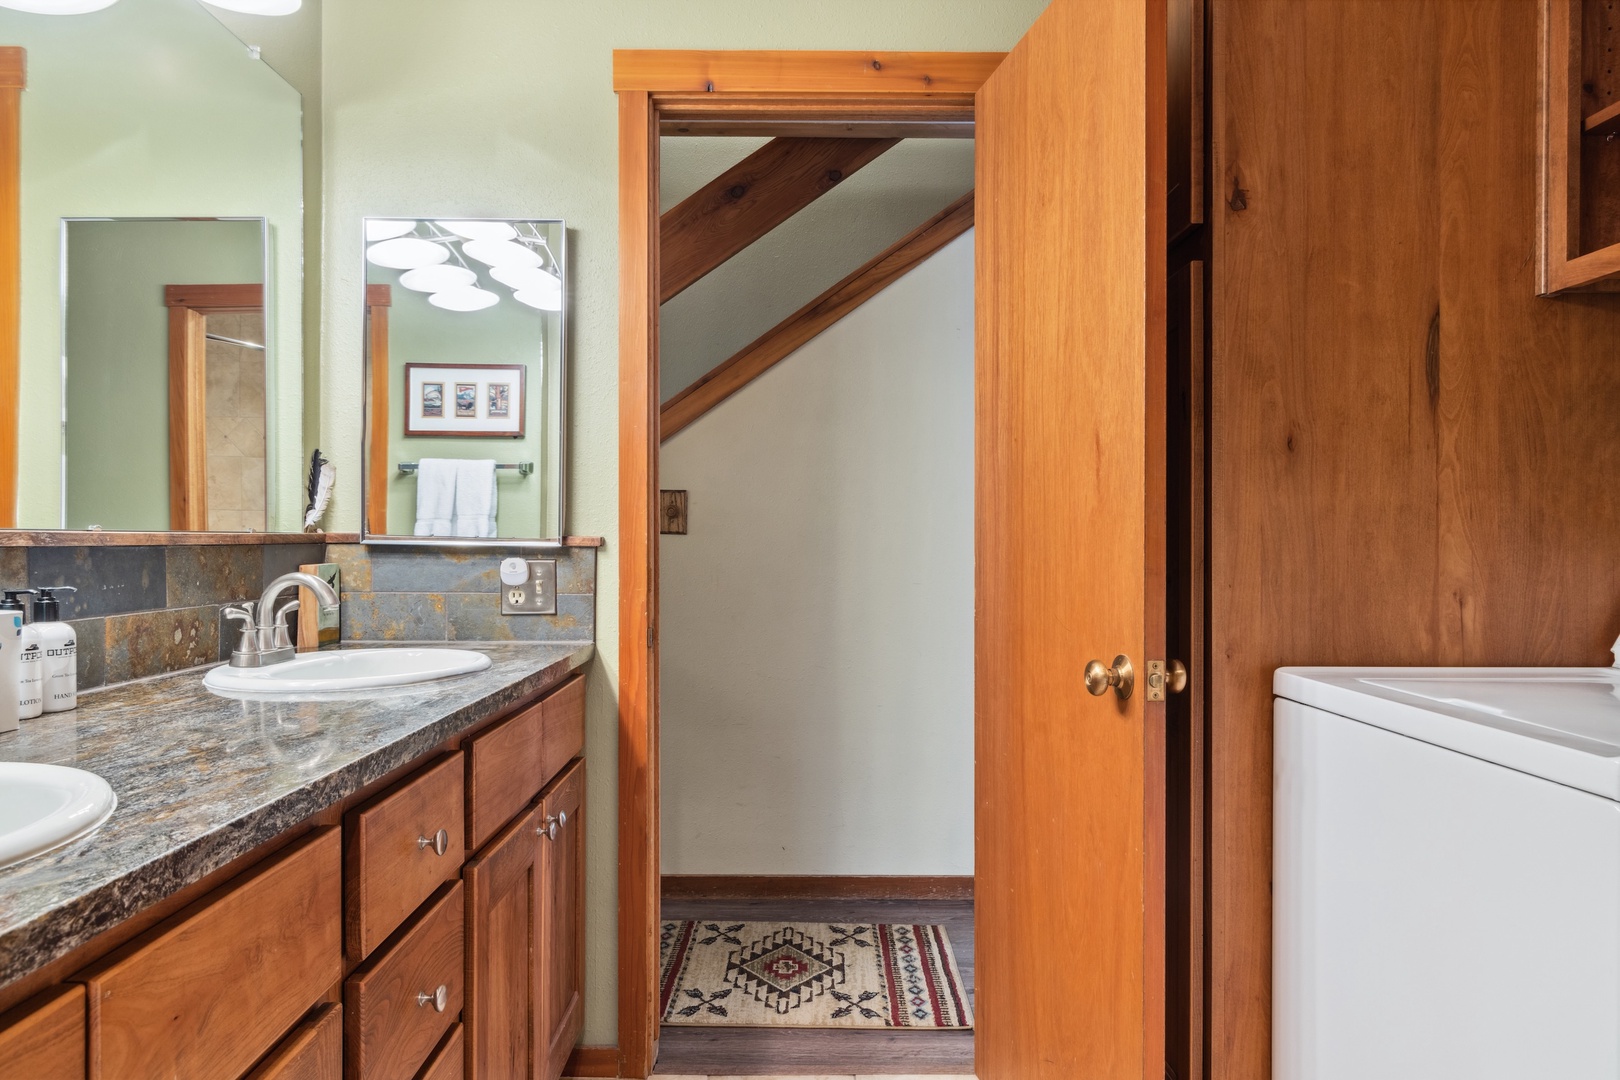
45 1039
502 1006
562 913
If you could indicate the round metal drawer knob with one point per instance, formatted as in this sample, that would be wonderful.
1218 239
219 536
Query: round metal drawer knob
439 999
439 842
549 828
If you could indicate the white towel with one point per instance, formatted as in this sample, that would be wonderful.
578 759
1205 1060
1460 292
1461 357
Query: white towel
435 496
475 498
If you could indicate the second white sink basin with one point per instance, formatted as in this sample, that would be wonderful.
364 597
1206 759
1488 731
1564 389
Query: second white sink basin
45 806
356 669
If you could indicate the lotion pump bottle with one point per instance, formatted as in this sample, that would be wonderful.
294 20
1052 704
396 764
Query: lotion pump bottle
60 644
30 685
11 629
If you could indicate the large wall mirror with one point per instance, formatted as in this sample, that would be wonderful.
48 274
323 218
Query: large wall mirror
160 382
466 380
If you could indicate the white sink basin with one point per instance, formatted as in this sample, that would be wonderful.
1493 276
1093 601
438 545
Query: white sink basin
46 806
357 669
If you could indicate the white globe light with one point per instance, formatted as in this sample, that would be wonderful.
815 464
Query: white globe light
466 298
432 279
387 228
57 7
525 277
406 253
501 253
257 7
544 299
479 230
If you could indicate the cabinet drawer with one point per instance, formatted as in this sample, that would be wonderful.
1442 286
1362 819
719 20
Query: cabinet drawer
449 1060
400 848
206 994
509 764
406 997
314 1050
45 1039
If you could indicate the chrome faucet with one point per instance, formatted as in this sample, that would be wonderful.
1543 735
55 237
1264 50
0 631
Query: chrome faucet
268 640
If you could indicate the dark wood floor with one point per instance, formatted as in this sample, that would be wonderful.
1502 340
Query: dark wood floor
699 1051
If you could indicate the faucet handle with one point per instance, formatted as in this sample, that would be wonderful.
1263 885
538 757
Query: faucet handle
247 643
283 638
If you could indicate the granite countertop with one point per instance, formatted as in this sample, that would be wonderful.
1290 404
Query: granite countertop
202 779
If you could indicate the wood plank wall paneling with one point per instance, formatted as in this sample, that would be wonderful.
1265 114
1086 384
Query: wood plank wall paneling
1410 448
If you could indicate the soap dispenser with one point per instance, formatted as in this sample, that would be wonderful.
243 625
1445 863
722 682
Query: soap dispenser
11 632
61 646
30 666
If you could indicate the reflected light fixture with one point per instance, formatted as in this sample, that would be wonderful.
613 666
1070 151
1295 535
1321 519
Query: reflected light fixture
57 7
406 253
525 277
502 253
257 7
432 279
479 230
387 228
466 298
544 299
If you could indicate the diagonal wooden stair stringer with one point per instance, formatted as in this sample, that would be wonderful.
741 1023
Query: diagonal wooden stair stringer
776 344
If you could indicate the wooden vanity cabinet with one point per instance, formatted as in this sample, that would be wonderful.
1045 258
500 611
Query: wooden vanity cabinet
447 968
45 1039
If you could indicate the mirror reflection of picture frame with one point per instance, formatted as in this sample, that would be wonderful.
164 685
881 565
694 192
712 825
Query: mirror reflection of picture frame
484 400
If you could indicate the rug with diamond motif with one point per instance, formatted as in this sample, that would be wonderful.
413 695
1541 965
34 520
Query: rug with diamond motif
810 975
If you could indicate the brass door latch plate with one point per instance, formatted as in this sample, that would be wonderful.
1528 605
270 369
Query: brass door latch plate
1165 676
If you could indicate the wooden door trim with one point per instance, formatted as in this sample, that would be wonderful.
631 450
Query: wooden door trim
379 298
13 80
189 307
767 87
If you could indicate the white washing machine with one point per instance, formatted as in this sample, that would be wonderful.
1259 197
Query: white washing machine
1446 874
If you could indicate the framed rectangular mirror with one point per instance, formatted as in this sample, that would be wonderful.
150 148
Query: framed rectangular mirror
466 381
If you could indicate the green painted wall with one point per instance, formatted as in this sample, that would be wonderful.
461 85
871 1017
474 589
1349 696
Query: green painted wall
151 108
505 108
118 356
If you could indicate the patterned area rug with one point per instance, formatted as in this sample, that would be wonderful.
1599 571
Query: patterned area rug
810 975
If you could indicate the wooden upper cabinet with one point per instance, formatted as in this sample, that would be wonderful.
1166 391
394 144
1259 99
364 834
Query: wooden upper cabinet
562 917
45 1038
503 954
206 994
1580 159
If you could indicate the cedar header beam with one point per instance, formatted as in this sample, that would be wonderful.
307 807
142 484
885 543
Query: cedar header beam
803 325
750 199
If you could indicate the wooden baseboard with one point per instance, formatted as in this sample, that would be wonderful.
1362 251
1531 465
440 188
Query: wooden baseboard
807 887
593 1061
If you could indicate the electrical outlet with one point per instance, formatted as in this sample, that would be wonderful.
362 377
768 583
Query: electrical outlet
536 596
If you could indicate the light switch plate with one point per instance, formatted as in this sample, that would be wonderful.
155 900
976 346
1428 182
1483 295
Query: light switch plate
537 596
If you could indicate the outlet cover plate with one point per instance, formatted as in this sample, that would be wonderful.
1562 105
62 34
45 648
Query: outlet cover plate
537 596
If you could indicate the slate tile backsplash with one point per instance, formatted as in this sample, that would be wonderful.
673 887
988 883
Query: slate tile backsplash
427 595
143 611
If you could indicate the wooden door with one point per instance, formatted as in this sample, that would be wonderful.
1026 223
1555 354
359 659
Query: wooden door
1070 281
502 1006
562 907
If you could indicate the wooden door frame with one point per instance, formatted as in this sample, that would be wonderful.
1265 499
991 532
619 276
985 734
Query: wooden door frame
189 307
690 92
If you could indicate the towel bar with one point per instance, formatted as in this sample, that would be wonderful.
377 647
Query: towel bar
522 468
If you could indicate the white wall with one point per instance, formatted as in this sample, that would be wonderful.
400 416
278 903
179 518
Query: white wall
817 652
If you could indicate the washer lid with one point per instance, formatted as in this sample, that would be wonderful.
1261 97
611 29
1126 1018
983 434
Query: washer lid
1559 723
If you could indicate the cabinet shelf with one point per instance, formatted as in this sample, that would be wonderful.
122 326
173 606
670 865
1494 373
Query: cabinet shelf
1604 121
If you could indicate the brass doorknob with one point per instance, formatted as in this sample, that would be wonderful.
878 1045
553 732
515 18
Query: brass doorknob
1122 677
1175 676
